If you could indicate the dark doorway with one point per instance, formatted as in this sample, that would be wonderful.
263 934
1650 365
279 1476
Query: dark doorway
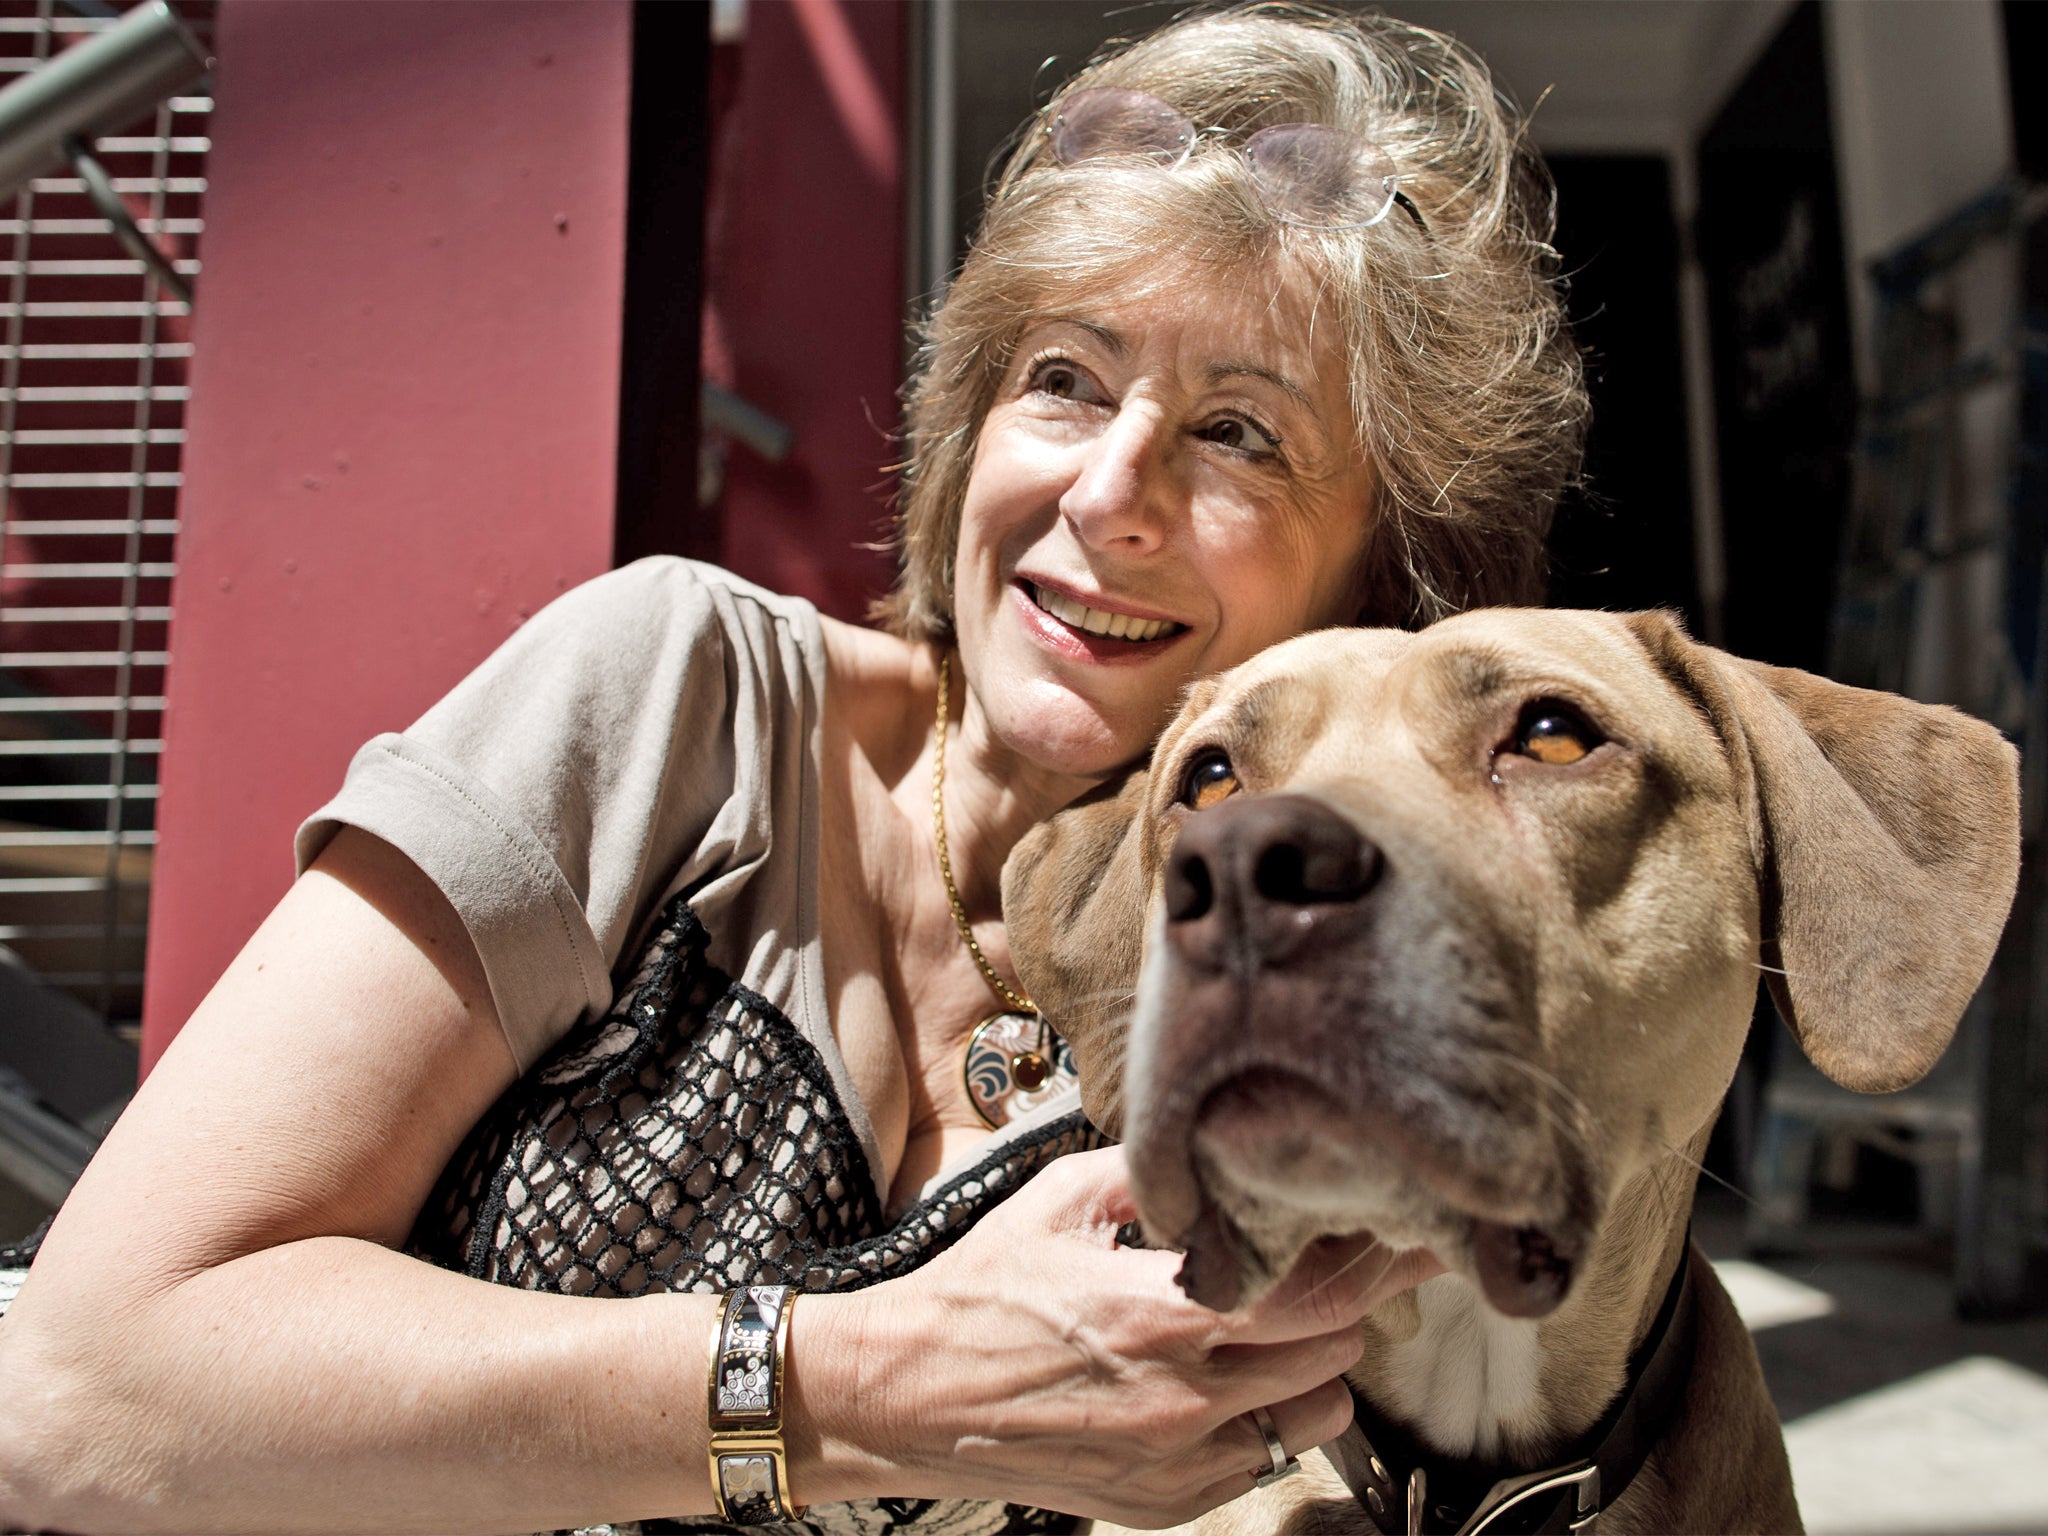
2026 45
1626 539
1770 244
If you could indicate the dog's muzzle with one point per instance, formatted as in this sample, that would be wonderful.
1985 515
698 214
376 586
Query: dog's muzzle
1303 1053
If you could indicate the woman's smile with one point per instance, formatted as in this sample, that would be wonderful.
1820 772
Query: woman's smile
1095 628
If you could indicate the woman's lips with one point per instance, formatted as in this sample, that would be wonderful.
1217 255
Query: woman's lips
1072 628
1100 622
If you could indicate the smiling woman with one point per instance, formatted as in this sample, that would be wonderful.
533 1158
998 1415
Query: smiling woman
664 957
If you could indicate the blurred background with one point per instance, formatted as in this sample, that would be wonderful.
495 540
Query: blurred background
486 299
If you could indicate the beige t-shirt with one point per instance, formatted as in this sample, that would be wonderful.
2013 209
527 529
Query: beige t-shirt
654 731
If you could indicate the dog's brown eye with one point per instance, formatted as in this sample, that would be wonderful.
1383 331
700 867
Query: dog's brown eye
1209 780
1552 733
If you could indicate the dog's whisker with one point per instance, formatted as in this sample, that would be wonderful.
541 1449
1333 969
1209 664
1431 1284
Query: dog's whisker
1667 1185
1707 1173
1545 1079
1348 1265
1578 1122
1695 1166
1393 1256
1116 996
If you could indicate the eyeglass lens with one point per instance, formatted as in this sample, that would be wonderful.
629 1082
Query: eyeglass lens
1322 177
1093 125
1307 174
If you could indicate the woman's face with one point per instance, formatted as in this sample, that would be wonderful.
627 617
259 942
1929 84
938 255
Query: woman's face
1165 485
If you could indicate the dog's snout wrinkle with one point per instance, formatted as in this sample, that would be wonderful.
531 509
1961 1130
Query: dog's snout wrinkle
1249 879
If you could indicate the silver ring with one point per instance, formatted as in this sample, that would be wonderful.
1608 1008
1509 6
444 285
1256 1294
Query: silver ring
1284 1465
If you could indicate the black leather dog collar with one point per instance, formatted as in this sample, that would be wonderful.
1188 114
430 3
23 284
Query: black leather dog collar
1387 1469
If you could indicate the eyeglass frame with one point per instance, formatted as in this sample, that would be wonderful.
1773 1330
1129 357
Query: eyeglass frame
1186 140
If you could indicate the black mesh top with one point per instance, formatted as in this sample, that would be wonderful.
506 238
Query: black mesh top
692 1139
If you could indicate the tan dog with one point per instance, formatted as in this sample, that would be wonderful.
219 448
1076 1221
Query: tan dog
1454 937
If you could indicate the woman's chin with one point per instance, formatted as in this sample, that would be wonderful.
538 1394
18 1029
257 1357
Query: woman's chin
1059 731
1057 705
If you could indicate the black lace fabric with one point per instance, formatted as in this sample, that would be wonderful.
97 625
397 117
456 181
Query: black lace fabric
692 1139
688 1140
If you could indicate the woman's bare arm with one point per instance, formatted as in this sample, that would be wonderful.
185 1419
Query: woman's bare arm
219 1336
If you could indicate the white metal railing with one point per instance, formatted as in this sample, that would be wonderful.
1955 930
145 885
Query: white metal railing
92 396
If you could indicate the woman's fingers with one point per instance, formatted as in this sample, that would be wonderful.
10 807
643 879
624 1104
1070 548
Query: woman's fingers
1403 1270
1332 1286
1249 1375
1087 1191
1055 1364
1236 1455
1312 1418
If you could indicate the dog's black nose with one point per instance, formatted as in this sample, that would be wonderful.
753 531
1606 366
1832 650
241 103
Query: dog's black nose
1251 876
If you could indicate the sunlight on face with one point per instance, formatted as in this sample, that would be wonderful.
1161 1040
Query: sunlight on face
1167 483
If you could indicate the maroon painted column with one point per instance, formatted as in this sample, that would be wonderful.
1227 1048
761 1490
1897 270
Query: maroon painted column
805 270
404 408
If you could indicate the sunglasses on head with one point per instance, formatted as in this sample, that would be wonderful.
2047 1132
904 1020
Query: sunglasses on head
1306 175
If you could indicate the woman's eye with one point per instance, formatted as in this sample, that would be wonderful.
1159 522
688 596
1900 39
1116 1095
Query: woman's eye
1555 733
1060 379
1244 436
1209 780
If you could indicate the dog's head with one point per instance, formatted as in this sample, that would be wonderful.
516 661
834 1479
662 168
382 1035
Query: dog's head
1449 935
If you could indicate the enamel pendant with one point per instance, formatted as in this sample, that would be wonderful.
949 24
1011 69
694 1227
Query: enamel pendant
1014 1063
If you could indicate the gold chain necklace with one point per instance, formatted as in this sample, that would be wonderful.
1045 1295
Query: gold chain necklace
1013 1060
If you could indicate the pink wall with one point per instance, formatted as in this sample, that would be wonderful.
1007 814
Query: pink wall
804 263
404 405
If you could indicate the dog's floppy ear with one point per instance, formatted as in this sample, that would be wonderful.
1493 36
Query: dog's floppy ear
1074 908
1886 834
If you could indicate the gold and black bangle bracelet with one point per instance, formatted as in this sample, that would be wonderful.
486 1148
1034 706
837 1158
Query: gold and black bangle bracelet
749 1360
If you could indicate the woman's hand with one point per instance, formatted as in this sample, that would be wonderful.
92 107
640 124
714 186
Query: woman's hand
1041 1363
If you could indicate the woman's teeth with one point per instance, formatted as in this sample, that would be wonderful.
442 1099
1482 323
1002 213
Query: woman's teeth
1092 621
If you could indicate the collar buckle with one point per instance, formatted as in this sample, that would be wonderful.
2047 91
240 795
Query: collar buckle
1583 1478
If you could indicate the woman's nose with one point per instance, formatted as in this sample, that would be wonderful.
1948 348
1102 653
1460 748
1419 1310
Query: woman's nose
1123 494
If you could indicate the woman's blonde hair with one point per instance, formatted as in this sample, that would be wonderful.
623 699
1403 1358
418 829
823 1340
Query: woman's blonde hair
1465 388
